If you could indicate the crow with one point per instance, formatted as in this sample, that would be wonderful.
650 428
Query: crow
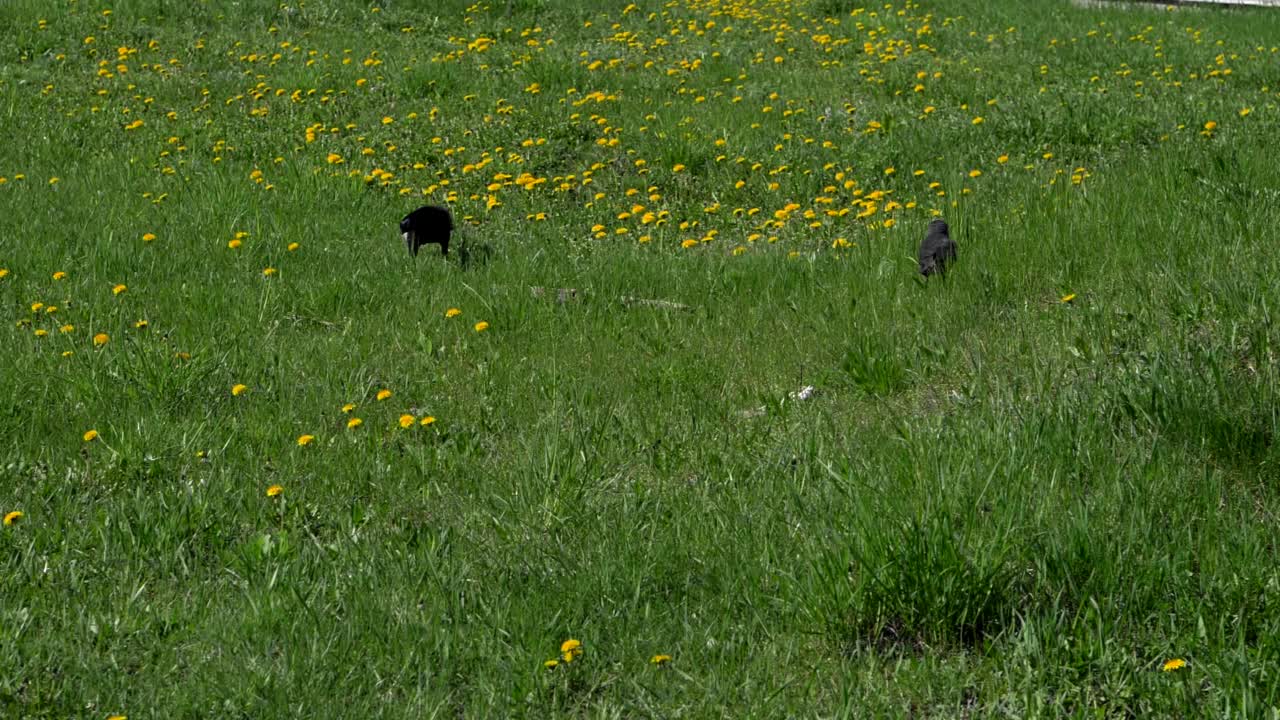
428 225
937 249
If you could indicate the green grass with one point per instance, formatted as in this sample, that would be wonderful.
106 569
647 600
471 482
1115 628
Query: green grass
997 504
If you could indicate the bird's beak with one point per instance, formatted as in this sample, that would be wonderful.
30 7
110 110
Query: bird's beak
408 241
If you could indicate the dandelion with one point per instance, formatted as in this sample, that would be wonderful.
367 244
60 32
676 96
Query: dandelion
234 243
90 435
348 407
118 289
268 272
354 423
1174 664
41 332
101 339
452 312
688 243
1210 126
406 420
678 167
141 325
4 272
978 120
60 275
1068 297
1245 111
570 649
67 328
238 389
293 246
118 717
1002 159
975 173
426 421
274 491
383 394
148 237
551 664
11 519
305 440
482 326
660 659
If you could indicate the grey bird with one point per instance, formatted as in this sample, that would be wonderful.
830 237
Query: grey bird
428 225
937 249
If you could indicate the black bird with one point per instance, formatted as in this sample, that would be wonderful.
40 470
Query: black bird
937 249
428 225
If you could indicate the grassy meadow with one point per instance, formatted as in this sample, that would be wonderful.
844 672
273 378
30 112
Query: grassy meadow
255 462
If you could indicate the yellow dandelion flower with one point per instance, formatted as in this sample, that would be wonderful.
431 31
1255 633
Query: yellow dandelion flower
348 407
67 328
59 275
482 326
37 306
452 312
1174 664
68 353
660 659
354 423
383 394
570 649
890 171
1068 297
407 420
118 717
387 120
238 389
101 339
234 243
293 246
688 243
426 421
148 237
118 289
268 272
274 490
4 272
678 167
551 664
975 173
1211 126
41 332
12 518
1245 111
141 325
1002 159
90 435
305 440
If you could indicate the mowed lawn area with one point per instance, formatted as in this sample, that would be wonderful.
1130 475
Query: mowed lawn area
677 429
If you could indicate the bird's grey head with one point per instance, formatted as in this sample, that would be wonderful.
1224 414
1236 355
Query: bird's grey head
938 225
